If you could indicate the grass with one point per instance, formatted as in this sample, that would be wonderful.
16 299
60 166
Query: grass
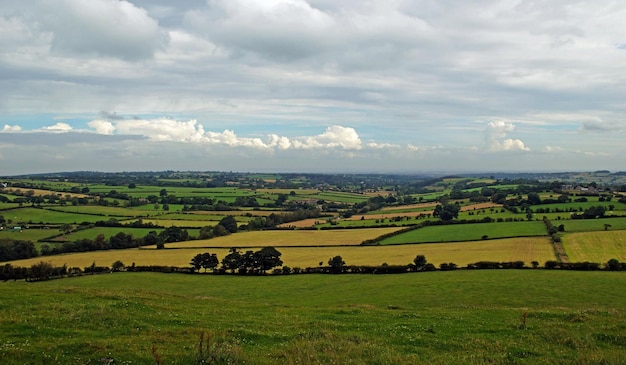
34 215
92 233
101 210
468 317
29 234
589 225
597 247
516 249
468 232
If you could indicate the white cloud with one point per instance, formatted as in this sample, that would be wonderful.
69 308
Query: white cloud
167 129
11 128
102 126
497 131
59 127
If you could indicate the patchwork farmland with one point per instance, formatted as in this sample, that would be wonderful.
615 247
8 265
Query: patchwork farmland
301 224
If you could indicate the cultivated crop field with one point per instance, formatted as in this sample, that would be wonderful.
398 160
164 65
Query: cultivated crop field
595 246
516 249
471 317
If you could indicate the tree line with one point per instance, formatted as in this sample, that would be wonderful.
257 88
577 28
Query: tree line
267 260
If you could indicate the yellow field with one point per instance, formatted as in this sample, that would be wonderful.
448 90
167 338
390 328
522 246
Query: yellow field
514 249
412 206
597 247
304 223
290 238
261 213
180 223
40 192
288 191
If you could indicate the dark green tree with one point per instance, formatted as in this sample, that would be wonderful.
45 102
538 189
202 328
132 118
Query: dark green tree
209 261
174 234
446 212
219 231
268 258
233 260
420 262
196 262
336 264
117 266
229 223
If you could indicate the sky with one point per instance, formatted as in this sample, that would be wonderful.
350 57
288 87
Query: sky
381 86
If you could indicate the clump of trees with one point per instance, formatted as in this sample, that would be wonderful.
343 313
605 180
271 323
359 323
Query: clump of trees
252 262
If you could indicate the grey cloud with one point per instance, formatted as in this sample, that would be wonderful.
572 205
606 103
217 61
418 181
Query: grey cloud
111 28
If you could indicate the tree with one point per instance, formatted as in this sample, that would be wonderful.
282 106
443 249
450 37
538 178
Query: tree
229 223
174 234
163 192
446 212
534 199
420 262
196 262
268 258
206 232
219 231
336 264
117 266
613 265
66 228
209 261
233 260
41 271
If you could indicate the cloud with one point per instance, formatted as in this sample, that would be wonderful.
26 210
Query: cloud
59 127
102 126
112 28
497 131
598 126
167 129
276 29
11 128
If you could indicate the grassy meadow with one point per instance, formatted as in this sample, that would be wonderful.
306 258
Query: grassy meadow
469 317
468 232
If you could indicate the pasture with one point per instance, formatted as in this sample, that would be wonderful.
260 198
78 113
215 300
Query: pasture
32 234
37 215
589 225
468 232
471 317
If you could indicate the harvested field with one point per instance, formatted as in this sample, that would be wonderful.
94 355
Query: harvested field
597 247
515 249
332 237
303 223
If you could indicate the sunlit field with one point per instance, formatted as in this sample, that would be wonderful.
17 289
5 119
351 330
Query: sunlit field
597 247
516 249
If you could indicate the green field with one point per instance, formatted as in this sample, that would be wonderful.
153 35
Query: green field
35 216
588 225
33 235
471 317
92 233
102 210
468 232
